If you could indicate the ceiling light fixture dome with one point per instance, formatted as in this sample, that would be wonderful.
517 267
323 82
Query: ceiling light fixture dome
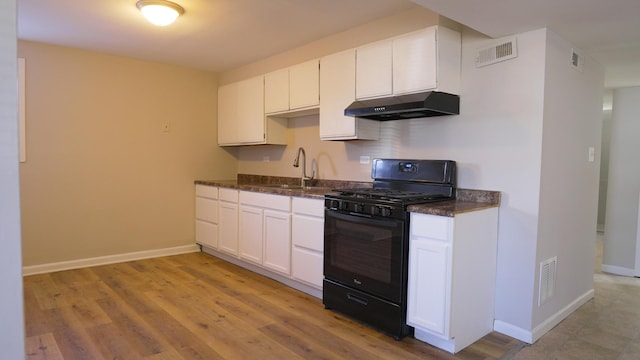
160 12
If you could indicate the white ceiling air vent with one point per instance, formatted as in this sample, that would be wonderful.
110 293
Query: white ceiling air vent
501 50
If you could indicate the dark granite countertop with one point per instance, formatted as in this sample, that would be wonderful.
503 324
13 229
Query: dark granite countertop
261 183
466 199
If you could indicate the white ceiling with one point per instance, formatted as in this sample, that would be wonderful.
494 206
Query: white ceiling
222 34
607 30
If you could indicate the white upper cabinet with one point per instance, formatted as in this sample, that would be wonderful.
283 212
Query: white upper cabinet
276 91
374 64
337 91
423 60
241 118
414 62
304 85
292 89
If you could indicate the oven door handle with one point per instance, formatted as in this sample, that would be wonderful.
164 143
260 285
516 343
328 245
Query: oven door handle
357 218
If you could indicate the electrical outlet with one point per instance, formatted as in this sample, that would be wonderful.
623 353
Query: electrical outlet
266 158
365 159
592 154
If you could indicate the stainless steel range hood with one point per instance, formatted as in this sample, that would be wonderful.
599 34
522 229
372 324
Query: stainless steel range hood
410 106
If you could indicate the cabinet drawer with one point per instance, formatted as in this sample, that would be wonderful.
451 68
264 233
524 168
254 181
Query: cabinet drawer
307 266
266 201
206 191
207 209
312 207
431 226
207 234
308 232
230 195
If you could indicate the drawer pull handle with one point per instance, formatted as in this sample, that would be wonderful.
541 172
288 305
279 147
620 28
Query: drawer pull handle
357 299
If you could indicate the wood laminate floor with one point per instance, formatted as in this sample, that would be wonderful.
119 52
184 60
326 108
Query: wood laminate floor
196 306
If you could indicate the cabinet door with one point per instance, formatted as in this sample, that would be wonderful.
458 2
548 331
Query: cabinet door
277 241
414 62
228 103
250 234
251 120
304 85
429 287
276 91
373 70
228 227
337 89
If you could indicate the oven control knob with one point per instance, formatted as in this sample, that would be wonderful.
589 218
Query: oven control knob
385 211
333 204
358 208
342 205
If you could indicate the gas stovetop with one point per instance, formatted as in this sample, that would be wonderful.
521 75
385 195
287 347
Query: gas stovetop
397 184
402 197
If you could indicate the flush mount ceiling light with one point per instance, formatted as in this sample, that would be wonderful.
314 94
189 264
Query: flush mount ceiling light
160 12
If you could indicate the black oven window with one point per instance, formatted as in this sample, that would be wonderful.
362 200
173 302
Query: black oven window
363 249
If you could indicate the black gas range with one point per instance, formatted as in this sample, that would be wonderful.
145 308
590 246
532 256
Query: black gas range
397 184
367 239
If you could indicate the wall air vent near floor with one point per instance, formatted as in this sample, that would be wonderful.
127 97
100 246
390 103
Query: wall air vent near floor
501 50
547 279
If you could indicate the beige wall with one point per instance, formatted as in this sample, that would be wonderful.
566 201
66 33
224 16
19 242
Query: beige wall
331 159
101 177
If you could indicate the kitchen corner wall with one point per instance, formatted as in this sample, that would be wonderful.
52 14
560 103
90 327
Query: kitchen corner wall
102 177
12 331
622 226
521 121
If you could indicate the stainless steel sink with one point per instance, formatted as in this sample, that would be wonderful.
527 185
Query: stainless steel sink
292 187
282 186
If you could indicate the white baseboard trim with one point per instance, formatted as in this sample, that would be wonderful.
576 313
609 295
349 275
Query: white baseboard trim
556 318
531 336
298 285
513 331
618 270
110 259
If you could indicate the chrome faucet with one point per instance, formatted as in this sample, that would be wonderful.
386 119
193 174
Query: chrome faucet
296 163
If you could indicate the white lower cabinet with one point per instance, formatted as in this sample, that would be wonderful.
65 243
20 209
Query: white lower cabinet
277 240
250 233
307 232
207 216
432 260
278 236
265 230
228 221
452 268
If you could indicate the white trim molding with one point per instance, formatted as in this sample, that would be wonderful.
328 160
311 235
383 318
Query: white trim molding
531 336
636 271
110 259
618 270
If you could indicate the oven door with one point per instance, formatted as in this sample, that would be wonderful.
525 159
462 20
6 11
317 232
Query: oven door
366 253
